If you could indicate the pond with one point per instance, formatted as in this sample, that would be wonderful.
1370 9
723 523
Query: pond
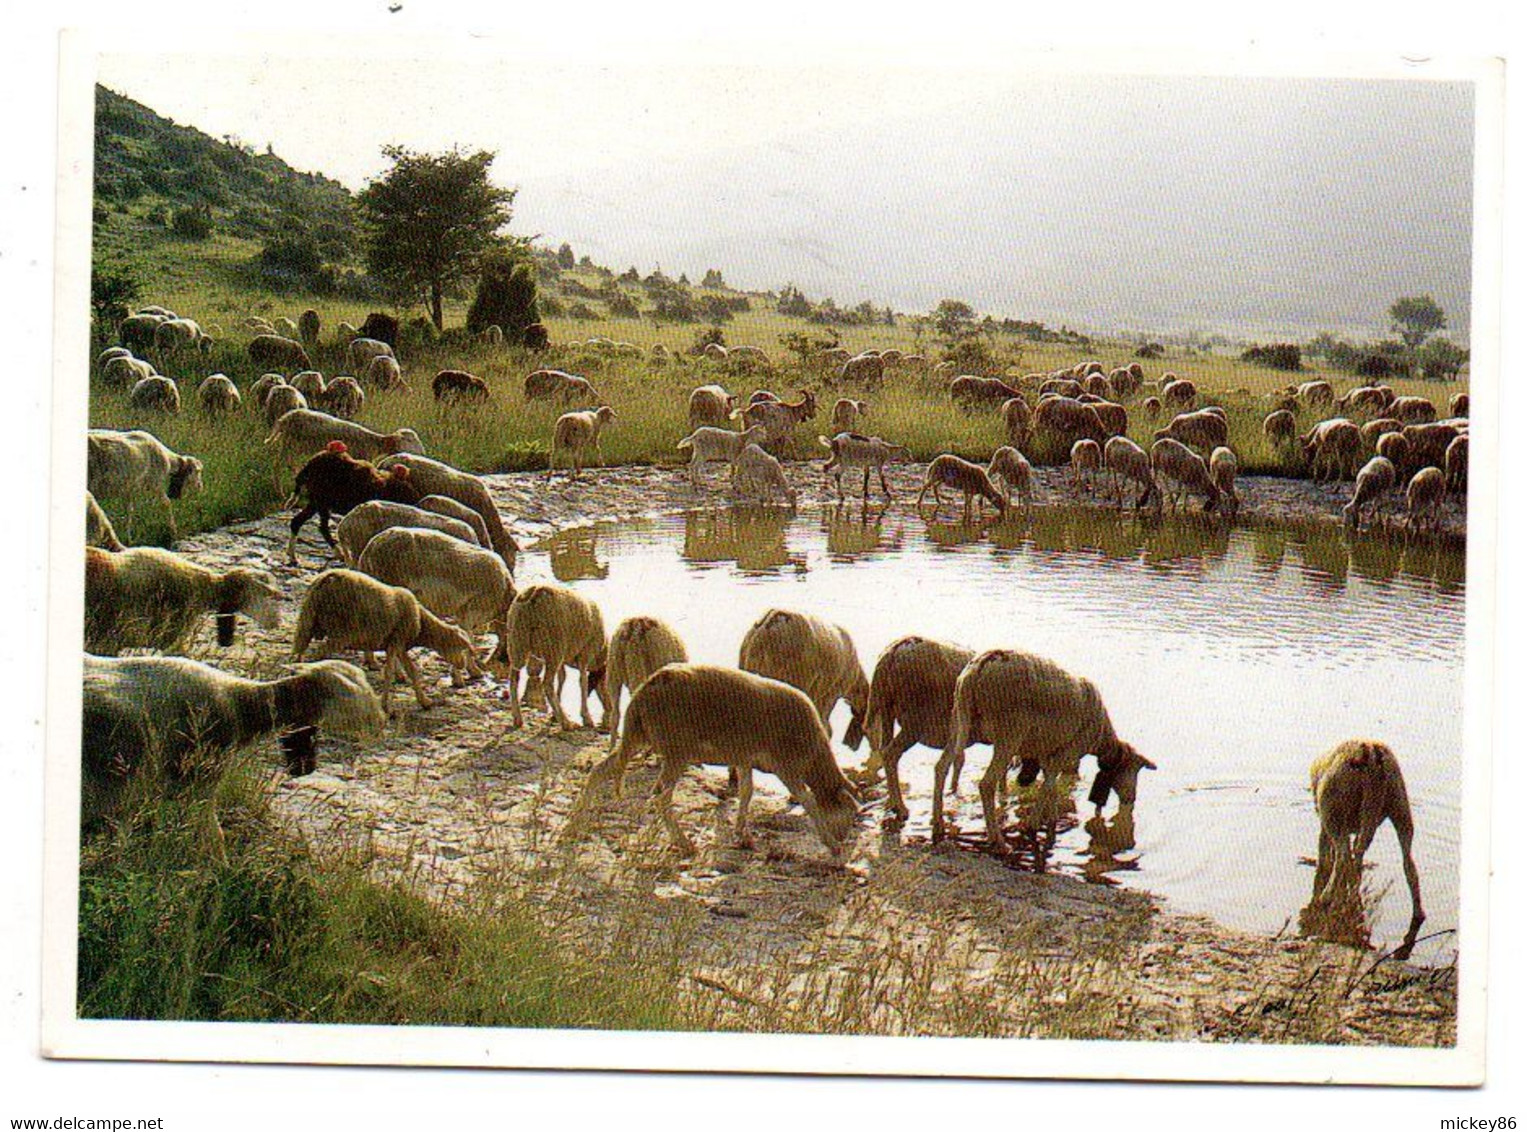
1231 656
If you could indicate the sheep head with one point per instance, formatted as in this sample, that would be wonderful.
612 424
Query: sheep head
1119 767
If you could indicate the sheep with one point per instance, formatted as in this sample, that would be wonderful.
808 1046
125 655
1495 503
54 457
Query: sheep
850 450
300 433
1033 711
1376 429
98 528
137 331
308 327
969 479
1128 462
1175 462
1203 429
1017 420
365 521
1334 446
433 478
1424 498
448 508
846 413
134 465
180 720
1377 477
351 610
334 482
1370 399
699 713
1316 394
492 335
715 351
970 391
217 395
458 385
276 351
1412 410
1179 392
563 629
1152 407
285 327
1114 418
259 324
111 352
1395 448
1357 786
1222 469
1098 385
360 351
1456 463
638 648
779 418
1060 387
282 399
310 384
345 333
1279 427
546 384
575 433
174 334
1458 406
707 445
866 369
755 468
261 388
382 372
125 372
157 394
1429 442
913 687
810 654
343 398
710 405
1068 420
456 581
1086 459
144 597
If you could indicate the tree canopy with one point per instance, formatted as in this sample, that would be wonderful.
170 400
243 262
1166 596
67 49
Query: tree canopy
1415 317
430 220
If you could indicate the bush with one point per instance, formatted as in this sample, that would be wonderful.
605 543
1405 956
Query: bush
582 311
1281 355
506 297
297 255
1150 350
194 222
707 336
623 305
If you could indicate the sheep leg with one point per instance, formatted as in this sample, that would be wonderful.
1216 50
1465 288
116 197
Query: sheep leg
996 771
865 495
744 800
323 527
298 520
1404 831
389 676
662 798
583 692
885 487
556 685
612 709
414 678
895 803
514 695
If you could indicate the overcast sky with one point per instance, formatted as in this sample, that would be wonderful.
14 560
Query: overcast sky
1253 205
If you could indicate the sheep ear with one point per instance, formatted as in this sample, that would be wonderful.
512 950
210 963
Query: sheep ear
1145 763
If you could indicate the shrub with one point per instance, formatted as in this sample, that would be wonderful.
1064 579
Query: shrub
506 297
194 222
623 305
1150 350
1281 355
582 311
707 336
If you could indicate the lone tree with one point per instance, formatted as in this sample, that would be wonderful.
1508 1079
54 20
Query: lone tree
431 218
1416 316
112 291
954 320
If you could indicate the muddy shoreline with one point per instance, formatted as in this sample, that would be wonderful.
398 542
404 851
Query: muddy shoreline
457 803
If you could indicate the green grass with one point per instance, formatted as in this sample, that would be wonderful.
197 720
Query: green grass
287 932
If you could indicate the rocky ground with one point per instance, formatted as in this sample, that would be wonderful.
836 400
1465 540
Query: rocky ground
908 939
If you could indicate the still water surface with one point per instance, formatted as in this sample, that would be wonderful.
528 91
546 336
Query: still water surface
1229 656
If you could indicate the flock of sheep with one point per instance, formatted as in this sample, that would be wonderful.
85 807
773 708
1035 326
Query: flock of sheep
429 563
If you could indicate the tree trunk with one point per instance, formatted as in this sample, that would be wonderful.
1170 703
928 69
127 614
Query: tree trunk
435 311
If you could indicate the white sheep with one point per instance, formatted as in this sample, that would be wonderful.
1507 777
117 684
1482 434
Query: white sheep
1358 786
134 466
563 629
1086 459
431 477
969 479
1012 467
708 444
1424 498
283 399
125 372
1377 477
157 394
1177 464
696 713
846 413
310 384
1222 469
383 372
351 610
1033 711
181 720
1127 462
144 597
755 469
710 405
456 581
852 452
913 687
365 522
98 528
575 434
810 654
638 648
360 351
343 398
302 433
218 396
